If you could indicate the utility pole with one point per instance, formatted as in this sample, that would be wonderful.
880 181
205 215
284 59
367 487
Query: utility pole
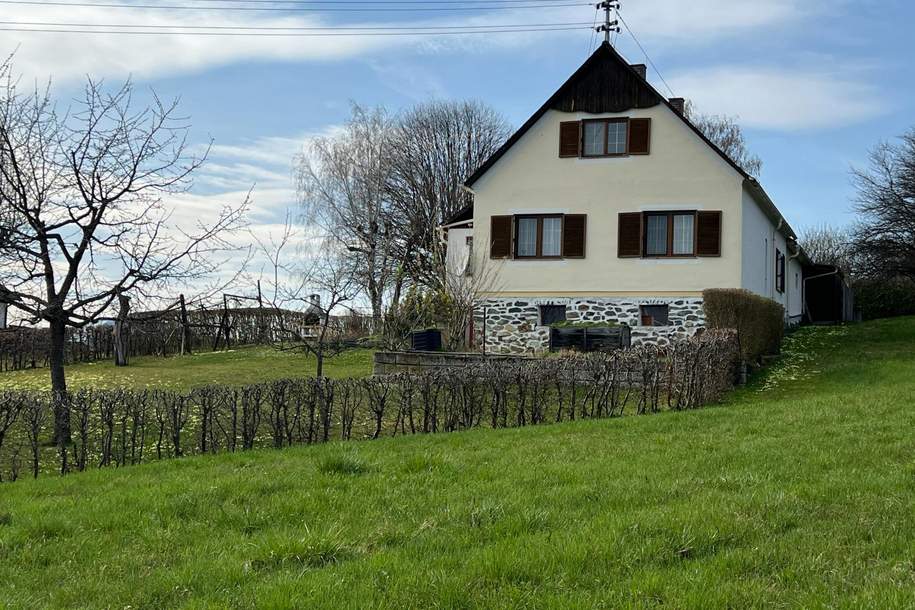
608 26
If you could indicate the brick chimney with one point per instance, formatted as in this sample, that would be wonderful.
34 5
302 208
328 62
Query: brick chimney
678 103
642 69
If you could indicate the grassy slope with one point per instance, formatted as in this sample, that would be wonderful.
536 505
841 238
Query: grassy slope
239 366
799 496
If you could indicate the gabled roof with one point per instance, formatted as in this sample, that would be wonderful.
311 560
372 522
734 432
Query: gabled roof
606 82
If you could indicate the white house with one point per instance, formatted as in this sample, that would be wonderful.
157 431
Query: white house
609 205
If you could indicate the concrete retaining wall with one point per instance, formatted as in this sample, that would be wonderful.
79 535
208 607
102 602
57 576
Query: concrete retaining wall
387 363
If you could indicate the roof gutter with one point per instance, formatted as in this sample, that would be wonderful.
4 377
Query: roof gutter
769 207
455 225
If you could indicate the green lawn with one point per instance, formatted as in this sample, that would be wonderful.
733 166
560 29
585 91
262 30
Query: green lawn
798 493
235 367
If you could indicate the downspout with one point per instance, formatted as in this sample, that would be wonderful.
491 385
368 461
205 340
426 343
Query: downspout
788 291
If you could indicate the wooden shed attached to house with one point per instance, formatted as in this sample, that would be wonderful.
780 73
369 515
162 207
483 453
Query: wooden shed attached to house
828 297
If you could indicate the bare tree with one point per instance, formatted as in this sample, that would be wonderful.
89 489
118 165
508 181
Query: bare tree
341 184
436 146
466 294
450 308
828 245
86 192
320 283
885 235
727 135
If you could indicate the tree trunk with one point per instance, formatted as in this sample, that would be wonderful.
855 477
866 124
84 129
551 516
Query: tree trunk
319 352
185 328
320 358
121 330
59 383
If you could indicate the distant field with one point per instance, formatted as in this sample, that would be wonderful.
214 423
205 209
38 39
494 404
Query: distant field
235 367
798 492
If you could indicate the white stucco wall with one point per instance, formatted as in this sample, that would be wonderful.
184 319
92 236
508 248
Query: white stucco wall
681 172
758 245
794 286
457 251
757 248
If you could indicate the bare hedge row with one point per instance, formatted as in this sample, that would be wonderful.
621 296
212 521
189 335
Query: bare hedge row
123 427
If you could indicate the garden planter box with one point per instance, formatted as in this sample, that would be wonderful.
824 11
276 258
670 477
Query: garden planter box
429 340
590 338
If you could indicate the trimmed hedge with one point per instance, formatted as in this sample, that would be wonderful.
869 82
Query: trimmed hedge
121 427
759 322
878 298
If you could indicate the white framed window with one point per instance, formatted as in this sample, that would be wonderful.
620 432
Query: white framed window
684 234
527 237
617 137
552 236
595 136
656 235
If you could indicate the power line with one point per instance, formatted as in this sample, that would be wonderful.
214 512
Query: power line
291 34
370 2
645 53
289 28
593 30
349 9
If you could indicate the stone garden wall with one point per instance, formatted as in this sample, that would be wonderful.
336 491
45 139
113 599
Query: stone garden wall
513 325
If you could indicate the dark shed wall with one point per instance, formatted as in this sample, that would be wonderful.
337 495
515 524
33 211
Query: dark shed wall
828 299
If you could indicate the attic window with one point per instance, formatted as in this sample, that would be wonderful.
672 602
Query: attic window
611 137
605 137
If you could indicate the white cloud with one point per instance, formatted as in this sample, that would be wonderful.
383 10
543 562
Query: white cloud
262 166
705 20
780 99
70 56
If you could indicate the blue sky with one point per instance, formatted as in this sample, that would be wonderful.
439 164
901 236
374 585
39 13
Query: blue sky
816 83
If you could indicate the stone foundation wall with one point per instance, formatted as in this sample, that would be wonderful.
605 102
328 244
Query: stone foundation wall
512 326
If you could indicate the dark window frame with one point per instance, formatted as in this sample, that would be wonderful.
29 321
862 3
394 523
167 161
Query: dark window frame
643 315
539 217
543 322
780 271
670 233
606 138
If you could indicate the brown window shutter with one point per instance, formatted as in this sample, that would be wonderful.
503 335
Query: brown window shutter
569 138
573 235
708 233
500 237
639 136
630 235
